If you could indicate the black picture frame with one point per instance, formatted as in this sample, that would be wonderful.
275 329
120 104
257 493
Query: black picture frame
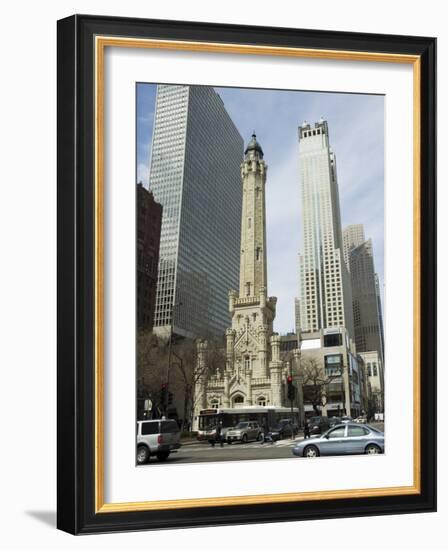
76 286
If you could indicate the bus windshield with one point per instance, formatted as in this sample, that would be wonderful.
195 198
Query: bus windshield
208 422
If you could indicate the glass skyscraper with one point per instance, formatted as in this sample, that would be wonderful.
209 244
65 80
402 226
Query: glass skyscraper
195 174
365 291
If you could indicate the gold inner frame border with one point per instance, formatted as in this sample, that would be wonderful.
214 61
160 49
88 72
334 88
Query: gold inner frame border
101 42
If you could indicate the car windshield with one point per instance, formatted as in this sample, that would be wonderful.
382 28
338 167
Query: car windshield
241 425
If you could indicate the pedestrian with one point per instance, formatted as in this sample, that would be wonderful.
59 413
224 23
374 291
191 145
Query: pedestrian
306 431
219 438
264 434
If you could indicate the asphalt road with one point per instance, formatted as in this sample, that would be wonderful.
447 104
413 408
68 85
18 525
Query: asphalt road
204 452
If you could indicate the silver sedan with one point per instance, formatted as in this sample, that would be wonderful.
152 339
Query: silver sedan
349 439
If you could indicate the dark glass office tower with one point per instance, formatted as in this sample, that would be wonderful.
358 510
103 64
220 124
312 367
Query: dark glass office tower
195 174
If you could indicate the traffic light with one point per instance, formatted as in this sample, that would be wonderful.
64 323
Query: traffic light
163 396
291 389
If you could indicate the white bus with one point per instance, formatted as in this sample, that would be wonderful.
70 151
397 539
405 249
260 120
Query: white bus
267 417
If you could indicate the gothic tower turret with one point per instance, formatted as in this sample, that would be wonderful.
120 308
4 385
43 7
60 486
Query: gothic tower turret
253 273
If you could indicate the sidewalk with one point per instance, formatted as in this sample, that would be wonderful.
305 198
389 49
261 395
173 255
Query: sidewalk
190 441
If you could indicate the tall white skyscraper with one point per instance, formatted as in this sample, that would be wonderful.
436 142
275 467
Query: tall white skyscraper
195 175
325 293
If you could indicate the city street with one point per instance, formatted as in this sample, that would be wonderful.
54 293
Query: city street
204 452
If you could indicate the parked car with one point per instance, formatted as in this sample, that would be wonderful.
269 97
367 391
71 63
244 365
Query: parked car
334 421
244 432
286 428
318 424
361 419
344 439
156 438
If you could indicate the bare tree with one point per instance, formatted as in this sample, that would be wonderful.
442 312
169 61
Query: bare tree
152 366
185 359
151 370
190 372
316 383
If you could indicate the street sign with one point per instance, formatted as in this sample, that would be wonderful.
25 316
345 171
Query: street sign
148 405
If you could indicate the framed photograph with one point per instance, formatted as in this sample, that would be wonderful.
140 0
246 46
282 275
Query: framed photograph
246 274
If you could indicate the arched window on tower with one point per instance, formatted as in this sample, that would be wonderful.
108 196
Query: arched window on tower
261 401
247 289
247 362
258 255
238 400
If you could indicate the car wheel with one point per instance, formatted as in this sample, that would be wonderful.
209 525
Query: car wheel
229 442
373 450
142 454
311 451
244 438
163 456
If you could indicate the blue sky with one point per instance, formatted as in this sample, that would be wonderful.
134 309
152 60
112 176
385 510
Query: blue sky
356 127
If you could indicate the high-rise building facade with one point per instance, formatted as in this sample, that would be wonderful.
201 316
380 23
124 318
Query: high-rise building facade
149 222
352 236
374 371
195 174
367 316
324 292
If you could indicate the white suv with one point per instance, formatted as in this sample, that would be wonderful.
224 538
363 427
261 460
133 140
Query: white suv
156 437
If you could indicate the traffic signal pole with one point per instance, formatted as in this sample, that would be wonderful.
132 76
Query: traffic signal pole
291 394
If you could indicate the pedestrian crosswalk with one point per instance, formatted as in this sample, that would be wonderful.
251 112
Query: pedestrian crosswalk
204 447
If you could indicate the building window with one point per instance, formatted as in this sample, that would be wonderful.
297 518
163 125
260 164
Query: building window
261 401
375 370
247 289
215 404
238 400
333 365
258 252
331 340
249 222
247 362
369 369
